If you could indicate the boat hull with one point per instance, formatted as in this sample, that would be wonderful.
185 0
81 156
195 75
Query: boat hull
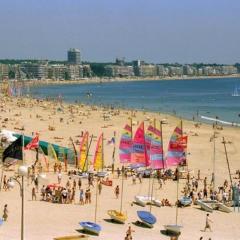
147 218
204 206
117 216
144 200
186 201
173 228
223 208
91 227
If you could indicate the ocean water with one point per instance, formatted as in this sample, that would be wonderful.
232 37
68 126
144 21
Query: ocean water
184 98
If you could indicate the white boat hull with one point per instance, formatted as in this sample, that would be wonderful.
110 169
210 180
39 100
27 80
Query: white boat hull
173 228
157 203
204 206
144 200
223 208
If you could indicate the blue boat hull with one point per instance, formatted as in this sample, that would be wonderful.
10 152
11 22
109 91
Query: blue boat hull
147 218
91 227
185 201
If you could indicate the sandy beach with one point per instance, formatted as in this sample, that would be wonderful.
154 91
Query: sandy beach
44 220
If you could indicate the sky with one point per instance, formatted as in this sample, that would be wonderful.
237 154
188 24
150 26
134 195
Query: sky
157 31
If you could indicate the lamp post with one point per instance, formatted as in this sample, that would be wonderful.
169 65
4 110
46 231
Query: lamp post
22 172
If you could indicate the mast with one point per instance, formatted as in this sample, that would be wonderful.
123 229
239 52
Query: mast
102 153
95 215
214 158
88 149
229 172
123 171
177 195
150 209
75 153
176 220
162 144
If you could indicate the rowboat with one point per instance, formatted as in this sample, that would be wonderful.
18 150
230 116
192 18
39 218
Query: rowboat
91 227
173 228
185 201
147 218
157 203
222 207
204 206
117 216
144 200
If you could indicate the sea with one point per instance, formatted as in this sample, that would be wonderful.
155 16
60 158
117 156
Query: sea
198 99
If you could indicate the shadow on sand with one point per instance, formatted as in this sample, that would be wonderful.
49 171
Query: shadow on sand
86 232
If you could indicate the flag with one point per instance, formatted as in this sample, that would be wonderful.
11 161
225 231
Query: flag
14 150
112 141
33 144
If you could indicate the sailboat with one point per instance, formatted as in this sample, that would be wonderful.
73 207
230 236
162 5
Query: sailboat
98 162
125 151
175 156
139 155
84 151
153 140
235 92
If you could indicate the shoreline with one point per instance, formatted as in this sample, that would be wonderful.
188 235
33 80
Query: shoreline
94 80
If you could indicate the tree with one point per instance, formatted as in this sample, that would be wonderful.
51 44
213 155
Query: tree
11 74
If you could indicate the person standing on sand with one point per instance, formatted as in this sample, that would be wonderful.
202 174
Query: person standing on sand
129 234
208 221
34 196
117 191
5 213
99 187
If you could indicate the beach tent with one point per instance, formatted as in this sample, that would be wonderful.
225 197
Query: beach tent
58 149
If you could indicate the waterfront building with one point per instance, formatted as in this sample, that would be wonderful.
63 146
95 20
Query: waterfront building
119 71
175 71
74 57
136 66
86 71
149 70
229 70
35 70
4 69
162 71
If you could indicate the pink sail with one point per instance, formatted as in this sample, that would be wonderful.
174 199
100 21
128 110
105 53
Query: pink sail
125 146
156 151
154 148
139 153
176 151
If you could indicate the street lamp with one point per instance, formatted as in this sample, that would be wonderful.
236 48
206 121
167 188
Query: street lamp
22 172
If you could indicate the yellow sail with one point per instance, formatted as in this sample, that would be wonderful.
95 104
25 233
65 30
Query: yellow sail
83 162
52 156
98 157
